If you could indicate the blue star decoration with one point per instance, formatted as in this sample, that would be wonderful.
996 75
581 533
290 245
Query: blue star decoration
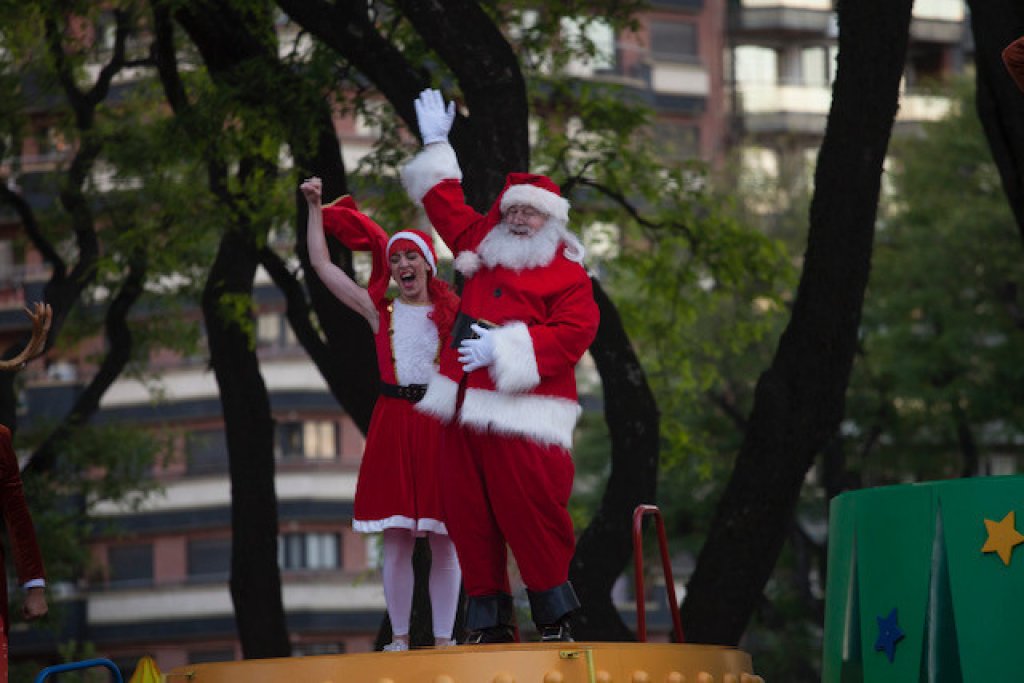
888 633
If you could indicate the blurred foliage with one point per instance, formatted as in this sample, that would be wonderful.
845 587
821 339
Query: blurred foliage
939 387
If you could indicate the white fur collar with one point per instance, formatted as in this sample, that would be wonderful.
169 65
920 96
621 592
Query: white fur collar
501 248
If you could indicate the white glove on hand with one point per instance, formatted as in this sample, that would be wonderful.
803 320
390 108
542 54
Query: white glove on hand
433 118
477 353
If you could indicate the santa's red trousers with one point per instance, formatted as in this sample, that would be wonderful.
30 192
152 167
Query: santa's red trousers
499 489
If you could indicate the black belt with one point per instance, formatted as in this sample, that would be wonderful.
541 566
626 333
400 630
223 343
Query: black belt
410 392
461 329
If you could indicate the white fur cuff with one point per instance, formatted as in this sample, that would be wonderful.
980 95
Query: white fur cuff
544 419
433 163
467 262
440 399
515 363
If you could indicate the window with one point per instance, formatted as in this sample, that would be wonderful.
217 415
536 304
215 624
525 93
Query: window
755 65
6 258
274 332
674 41
316 551
131 565
320 440
209 559
312 440
207 451
814 65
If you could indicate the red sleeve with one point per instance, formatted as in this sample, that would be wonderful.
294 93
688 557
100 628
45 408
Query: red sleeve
358 232
458 224
566 335
1013 58
28 561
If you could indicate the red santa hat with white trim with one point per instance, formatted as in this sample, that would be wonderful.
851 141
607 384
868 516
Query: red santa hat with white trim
537 191
414 239
543 194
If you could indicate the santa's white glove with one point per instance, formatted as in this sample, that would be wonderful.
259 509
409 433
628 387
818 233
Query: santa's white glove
477 353
433 118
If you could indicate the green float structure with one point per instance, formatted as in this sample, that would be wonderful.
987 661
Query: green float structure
926 583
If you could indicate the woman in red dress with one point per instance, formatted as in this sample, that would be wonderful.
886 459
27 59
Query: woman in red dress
397 493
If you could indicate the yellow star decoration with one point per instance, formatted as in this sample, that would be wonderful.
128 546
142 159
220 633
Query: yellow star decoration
1002 537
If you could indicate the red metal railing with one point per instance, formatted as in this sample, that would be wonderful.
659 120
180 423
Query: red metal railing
639 513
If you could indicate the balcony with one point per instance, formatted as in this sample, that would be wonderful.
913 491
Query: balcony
801 109
669 78
933 20
678 5
780 18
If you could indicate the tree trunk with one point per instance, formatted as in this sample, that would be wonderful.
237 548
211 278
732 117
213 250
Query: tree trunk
348 362
605 547
231 43
799 400
996 24
255 577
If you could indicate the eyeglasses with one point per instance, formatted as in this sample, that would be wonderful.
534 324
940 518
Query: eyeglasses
527 212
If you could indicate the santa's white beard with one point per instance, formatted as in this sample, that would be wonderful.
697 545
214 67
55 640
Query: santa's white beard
518 252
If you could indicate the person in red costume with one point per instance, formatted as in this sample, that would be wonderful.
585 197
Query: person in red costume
506 389
397 492
1013 58
28 561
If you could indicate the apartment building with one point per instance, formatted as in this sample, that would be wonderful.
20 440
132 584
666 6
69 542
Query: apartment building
781 62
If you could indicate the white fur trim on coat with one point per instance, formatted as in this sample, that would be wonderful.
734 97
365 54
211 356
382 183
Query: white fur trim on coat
434 163
544 419
439 401
550 203
467 262
515 363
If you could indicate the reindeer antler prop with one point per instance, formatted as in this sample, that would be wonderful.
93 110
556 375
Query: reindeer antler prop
41 315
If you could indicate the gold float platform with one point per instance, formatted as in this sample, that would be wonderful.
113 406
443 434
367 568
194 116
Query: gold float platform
582 662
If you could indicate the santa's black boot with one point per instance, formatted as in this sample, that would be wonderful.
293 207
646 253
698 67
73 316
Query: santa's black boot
551 610
490 619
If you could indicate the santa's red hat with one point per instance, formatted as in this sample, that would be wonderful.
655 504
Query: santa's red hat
537 191
414 239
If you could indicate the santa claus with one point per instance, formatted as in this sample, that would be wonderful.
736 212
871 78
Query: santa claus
506 386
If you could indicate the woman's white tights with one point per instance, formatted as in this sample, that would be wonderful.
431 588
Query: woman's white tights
397 574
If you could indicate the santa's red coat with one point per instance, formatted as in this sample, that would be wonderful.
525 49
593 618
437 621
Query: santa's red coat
547 319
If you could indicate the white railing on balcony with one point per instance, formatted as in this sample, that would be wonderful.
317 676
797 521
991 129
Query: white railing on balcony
680 79
825 5
770 99
945 10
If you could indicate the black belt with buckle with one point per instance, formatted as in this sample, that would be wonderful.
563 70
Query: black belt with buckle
410 392
462 329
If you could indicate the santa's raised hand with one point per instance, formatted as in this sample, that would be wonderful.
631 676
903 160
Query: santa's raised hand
433 117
